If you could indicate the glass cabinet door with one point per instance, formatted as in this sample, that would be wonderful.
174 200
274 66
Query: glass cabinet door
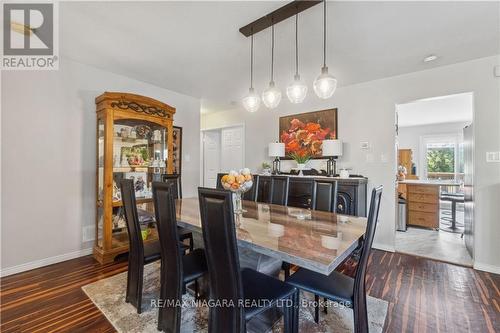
100 182
139 153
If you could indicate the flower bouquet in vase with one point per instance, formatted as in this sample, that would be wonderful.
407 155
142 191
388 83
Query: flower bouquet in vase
238 183
301 159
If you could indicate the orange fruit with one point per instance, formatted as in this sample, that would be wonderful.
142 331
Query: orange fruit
240 179
235 186
224 179
230 179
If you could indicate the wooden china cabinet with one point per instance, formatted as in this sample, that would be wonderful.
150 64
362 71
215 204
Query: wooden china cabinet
134 141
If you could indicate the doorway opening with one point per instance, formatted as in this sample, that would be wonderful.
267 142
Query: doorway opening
434 142
223 150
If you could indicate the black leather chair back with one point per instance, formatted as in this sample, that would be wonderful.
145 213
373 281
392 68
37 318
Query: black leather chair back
175 180
326 195
251 194
219 184
217 220
359 279
136 247
278 190
171 254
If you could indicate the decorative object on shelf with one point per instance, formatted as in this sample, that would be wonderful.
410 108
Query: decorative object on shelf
177 153
301 158
145 232
276 150
325 84
266 168
124 133
251 102
303 133
136 155
344 173
156 136
143 131
332 149
272 95
238 183
297 90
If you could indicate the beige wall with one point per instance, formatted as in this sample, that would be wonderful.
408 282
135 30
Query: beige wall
367 113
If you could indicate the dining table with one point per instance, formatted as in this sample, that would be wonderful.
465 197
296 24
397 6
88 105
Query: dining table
317 240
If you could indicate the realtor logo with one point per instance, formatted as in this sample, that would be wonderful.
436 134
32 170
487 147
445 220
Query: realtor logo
29 36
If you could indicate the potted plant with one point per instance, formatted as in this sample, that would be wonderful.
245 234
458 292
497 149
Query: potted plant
266 168
301 158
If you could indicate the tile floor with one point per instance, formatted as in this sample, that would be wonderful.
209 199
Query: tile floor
439 245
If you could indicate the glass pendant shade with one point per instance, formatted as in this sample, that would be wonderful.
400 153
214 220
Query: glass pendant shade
296 91
325 84
251 102
271 96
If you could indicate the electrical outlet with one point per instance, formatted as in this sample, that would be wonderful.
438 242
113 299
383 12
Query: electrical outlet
88 233
493 156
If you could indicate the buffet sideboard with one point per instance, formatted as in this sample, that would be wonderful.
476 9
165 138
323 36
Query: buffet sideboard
351 197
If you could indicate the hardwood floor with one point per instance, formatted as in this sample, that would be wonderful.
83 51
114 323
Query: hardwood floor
423 296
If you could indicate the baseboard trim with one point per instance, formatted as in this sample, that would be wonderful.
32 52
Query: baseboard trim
486 268
383 247
44 262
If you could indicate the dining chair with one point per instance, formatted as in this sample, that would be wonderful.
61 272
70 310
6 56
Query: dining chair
278 190
325 198
235 286
218 185
340 288
251 194
175 181
140 253
177 270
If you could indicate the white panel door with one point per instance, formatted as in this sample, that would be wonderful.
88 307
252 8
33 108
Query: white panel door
232 149
211 158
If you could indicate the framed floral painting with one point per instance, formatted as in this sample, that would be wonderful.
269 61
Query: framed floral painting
303 133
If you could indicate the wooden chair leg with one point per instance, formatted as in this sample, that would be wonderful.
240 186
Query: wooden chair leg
316 309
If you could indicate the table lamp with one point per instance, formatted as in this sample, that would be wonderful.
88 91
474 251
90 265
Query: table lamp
332 149
276 150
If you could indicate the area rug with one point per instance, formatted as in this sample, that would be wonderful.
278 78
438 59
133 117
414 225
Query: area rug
109 296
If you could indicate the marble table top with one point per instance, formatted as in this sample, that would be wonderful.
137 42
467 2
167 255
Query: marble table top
315 240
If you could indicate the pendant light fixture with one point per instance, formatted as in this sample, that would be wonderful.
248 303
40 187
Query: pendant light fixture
325 84
297 90
251 102
272 95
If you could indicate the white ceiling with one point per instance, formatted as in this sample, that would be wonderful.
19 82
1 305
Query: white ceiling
436 110
195 48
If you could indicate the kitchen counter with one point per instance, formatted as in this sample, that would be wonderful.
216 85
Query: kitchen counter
430 182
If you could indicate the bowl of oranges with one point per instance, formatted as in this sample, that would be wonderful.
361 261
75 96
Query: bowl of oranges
238 183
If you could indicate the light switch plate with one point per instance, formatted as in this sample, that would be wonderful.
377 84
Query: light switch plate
493 156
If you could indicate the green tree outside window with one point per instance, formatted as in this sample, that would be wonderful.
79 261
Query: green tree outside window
441 159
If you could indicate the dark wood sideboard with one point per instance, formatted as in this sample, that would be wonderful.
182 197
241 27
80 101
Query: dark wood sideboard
351 198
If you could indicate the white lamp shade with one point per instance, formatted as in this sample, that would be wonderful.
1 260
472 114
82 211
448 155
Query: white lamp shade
277 149
332 148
